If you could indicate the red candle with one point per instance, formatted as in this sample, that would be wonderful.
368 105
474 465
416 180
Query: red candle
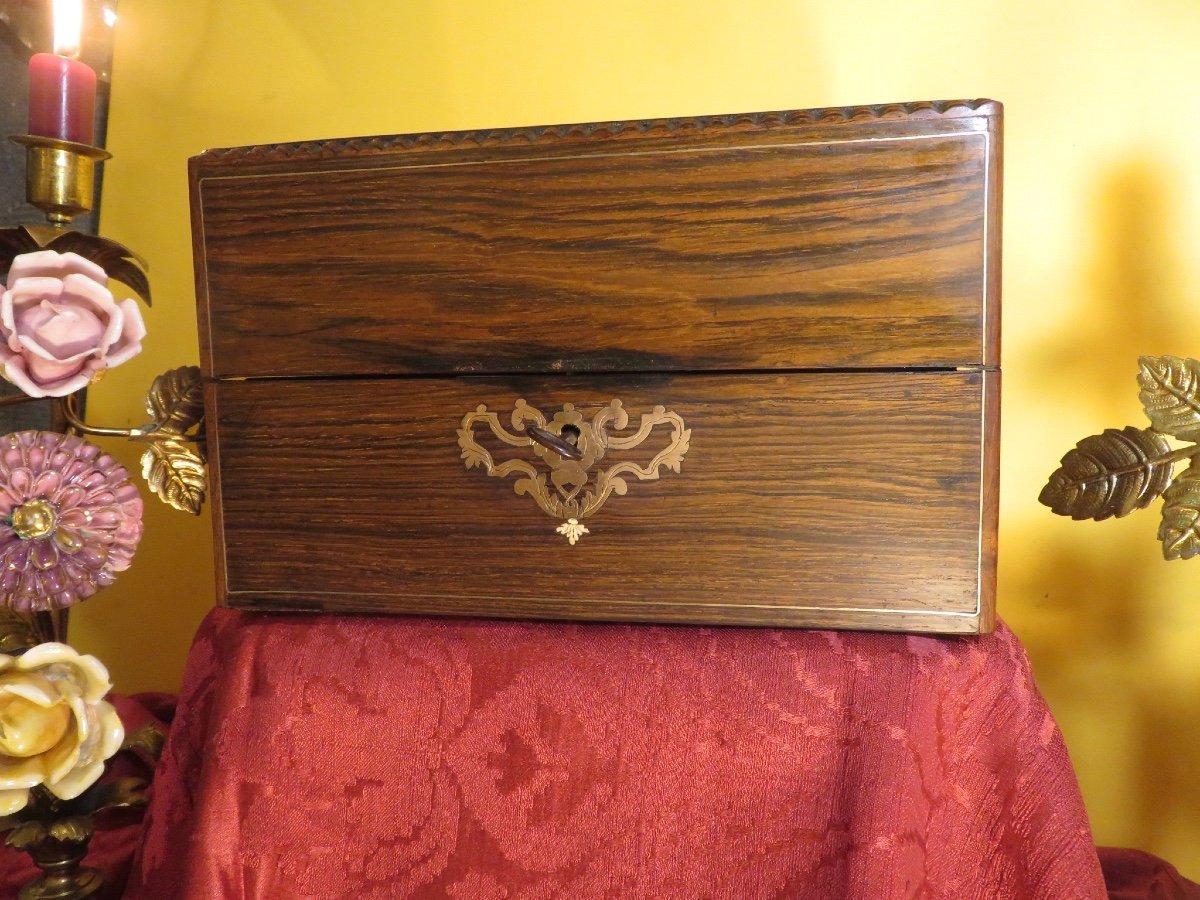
62 90
62 98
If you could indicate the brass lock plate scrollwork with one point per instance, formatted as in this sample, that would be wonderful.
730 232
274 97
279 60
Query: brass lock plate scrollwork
563 477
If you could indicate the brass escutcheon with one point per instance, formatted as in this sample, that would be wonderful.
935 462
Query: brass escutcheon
566 448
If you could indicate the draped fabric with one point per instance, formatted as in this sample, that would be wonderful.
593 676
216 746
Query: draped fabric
1135 875
1128 874
326 757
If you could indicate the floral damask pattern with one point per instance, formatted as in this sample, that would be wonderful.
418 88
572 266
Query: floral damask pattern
429 758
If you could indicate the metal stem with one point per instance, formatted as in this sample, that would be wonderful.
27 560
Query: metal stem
51 625
71 414
15 399
1182 453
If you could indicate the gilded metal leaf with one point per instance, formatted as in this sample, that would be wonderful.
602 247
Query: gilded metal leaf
1170 394
1110 474
14 242
124 792
74 830
148 739
1179 530
121 263
26 835
176 400
176 473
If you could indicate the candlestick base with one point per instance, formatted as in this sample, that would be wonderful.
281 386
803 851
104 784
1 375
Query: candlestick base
60 176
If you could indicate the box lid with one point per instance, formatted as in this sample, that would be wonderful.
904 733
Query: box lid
861 237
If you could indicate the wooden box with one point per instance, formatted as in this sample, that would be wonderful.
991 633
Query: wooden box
735 369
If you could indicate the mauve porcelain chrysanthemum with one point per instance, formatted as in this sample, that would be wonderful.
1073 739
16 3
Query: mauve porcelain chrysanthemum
70 519
60 326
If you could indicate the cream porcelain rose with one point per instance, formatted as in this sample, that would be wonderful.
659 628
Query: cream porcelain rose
55 728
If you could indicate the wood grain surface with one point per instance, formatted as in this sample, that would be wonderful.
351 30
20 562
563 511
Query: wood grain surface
776 241
816 292
846 500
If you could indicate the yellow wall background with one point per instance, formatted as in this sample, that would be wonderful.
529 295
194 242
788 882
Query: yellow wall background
1102 226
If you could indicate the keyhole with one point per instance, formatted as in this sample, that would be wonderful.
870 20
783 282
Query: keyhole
570 434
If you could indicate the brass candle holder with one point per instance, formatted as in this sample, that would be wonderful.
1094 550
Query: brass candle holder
60 180
60 176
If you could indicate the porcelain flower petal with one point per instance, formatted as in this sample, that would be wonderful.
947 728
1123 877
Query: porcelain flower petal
70 520
59 324
55 728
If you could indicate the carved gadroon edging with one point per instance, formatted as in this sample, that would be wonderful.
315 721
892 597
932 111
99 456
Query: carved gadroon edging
365 146
565 486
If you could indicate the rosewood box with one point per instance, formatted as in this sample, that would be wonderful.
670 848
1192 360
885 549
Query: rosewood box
735 369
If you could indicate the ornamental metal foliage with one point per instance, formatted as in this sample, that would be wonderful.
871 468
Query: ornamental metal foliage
1120 470
174 471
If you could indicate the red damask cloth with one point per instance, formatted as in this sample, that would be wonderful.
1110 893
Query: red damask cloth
369 757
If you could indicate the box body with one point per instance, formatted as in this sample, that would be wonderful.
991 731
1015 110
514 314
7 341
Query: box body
771 339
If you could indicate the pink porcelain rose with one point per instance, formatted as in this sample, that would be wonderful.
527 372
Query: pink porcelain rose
59 324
